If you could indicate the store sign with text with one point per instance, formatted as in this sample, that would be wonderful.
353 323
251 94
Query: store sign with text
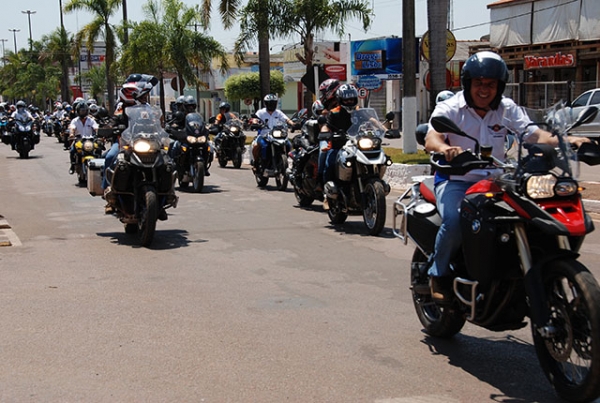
551 61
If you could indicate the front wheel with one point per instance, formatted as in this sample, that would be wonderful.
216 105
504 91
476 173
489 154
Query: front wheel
439 321
282 178
336 212
261 180
374 209
237 157
148 216
571 357
198 176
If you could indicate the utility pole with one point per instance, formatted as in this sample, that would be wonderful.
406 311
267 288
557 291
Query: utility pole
409 73
126 33
14 31
29 12
3 52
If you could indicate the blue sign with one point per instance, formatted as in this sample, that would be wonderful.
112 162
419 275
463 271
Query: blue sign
369 82
381 58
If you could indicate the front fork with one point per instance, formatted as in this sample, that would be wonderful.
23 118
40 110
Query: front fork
538 303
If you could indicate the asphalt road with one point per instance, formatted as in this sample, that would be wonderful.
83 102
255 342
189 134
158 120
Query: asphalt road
243 297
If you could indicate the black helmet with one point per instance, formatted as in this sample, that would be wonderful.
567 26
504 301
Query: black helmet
327 91
271 102
421 132
225 105
82 109
347 96
190 104
484 64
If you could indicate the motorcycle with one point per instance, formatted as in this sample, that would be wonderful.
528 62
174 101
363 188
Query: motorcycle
275 163
521 233
194 155
359 169
305 164
24 136
86 149
231 144
143 176
48 127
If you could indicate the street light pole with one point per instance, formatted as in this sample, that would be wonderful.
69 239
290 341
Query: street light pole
29 12
14 31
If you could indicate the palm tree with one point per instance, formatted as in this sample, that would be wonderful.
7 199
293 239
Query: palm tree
99 28
164 42
58 47
300 18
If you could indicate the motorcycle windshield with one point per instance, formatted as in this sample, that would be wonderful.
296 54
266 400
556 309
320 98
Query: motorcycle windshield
144 122
366 122
561 160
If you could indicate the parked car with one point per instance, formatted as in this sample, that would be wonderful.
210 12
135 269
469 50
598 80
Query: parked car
590 97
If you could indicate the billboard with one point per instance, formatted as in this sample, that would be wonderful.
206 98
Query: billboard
378 57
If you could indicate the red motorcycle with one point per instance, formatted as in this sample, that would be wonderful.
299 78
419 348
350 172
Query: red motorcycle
521 232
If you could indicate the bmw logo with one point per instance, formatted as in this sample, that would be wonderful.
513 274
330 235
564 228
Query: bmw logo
475 226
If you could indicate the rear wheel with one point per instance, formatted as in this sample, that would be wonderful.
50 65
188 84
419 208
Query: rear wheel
148 217
261 180
374 209
439 321
222 159
571 357
198 176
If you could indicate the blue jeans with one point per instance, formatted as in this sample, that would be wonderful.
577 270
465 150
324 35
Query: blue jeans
449 195
109 159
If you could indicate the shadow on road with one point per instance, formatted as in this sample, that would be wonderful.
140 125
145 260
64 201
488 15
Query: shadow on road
163 239
507 363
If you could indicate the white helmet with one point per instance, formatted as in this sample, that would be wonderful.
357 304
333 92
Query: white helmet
443 95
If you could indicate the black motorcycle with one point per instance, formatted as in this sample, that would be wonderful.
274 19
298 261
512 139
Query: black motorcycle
23 136
275 163
230 144
305 165
193 154
143 176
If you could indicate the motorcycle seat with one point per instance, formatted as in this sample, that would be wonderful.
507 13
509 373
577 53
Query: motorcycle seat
426 187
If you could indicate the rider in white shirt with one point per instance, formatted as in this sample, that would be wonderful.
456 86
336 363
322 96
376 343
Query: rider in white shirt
82 126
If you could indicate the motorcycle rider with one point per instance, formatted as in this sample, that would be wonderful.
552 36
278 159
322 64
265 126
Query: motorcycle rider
133 92
223 117
481 111
82 126
327 97
271 117
21 113
338 120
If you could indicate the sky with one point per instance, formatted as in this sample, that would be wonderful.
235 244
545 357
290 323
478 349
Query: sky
469 20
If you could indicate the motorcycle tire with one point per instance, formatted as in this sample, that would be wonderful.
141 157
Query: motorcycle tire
374 209
24 154
237 158
148 217
131 229
439 321
335 212
302 199
198 176
222 160
282 179
571 358
261 181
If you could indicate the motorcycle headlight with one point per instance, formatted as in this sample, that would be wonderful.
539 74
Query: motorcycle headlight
365 143
235 130
547 186
201 139
191 139
142 146
278 134
88 146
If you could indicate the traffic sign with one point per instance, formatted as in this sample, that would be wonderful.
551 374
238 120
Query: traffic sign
363 92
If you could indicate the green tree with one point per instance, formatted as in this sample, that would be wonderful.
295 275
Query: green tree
165 42
247 85
99 28
96 77
58 47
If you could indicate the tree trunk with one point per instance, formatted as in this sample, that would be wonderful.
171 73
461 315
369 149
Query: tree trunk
264 58
437 16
